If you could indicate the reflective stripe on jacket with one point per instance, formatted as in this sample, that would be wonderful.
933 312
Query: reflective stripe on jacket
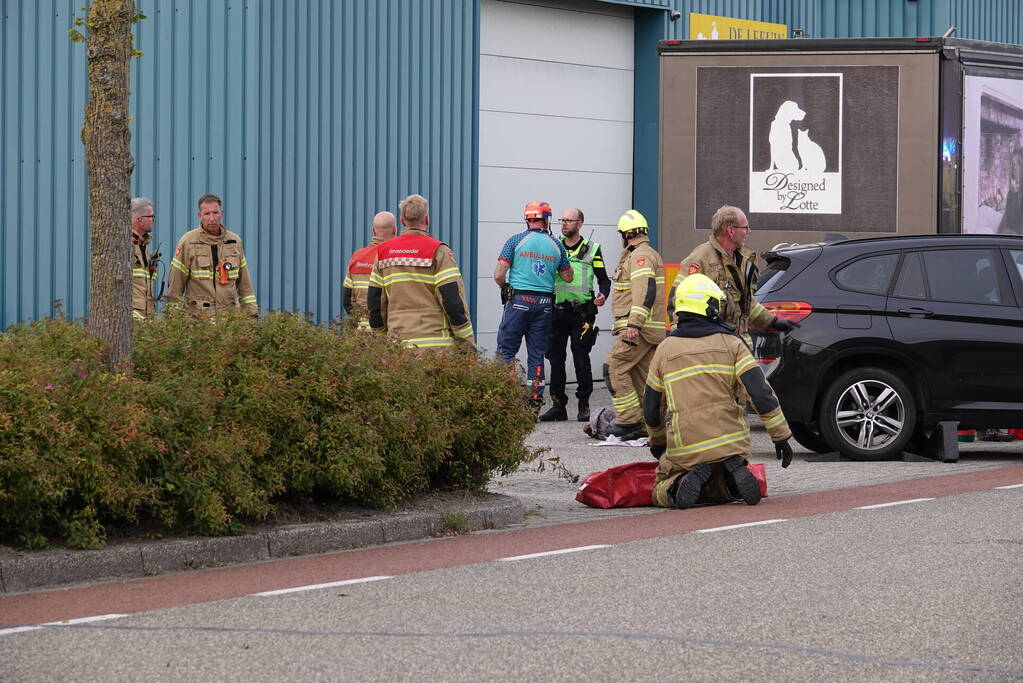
143 306
409 272
195 278
699 379
360 268
737 280
639 268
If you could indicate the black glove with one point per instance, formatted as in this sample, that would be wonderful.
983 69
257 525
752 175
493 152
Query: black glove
783 450
658 451
783 325
506 293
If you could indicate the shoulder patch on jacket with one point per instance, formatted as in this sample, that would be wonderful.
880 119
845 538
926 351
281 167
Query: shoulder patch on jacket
694 268
641 260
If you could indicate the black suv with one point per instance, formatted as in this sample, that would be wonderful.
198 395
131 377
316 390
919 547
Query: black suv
895 334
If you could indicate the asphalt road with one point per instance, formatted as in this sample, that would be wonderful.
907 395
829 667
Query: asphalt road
925 590
812 586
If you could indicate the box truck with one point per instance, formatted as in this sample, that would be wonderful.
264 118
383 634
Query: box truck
822 139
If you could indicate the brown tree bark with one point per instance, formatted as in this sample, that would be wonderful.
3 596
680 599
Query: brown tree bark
109 165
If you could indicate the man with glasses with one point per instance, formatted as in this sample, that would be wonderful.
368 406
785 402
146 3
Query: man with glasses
575 315
725 259
527 268
144 264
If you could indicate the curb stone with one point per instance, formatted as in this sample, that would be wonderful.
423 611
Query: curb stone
23 571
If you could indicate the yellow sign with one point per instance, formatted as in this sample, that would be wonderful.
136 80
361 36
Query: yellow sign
709 27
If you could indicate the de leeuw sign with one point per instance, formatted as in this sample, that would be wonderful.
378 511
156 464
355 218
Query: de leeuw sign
804 148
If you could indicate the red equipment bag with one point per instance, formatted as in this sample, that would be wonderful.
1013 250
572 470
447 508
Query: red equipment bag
632 485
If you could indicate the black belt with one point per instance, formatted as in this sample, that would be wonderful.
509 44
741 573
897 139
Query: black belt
532 293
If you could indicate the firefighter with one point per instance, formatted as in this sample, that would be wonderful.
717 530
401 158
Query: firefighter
528 266
416 290
144 263
637 305
360 267
698 376
726 260
209 272
575 317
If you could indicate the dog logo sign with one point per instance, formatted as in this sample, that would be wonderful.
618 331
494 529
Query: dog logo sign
796 143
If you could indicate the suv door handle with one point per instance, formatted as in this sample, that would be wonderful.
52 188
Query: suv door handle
915 312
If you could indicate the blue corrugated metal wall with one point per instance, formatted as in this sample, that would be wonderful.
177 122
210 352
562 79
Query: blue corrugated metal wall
997 20
306 118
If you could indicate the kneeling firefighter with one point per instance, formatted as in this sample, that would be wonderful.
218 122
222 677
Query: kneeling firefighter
696 371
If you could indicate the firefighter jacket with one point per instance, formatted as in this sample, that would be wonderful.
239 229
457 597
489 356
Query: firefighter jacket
637 298
737 279
416 292
209 273
697 376
143 272
355 287
586 260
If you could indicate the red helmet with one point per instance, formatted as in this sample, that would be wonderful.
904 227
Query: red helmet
538 209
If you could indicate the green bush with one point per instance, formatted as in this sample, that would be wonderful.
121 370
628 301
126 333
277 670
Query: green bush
218 423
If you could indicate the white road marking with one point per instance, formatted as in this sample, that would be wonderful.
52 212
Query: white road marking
80 620
888 505
19 629
1010 486
84 620
315 586
550 552
738 526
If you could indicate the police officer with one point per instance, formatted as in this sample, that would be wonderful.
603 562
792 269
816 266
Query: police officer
575 314
360 266
416 290
144 264
526 270
699 372
726 260
209 272
637 305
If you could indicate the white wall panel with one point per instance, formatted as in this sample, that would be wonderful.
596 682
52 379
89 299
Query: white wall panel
504 192
554 88
590 33
556 143
556 112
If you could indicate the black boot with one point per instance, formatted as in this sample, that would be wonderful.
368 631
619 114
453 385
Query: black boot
688 486
584 410
557 412
742 479
628 432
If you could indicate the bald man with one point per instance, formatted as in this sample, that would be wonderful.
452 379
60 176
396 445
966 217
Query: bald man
360 267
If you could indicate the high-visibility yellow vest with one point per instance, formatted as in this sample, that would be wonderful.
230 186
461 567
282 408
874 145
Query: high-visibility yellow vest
580 289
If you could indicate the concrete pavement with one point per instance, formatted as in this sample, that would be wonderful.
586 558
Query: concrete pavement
540 493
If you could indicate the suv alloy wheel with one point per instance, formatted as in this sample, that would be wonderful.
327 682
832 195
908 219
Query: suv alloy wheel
868 414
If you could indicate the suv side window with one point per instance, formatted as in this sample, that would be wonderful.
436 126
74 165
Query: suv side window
964 275
870 275
1017 258
911 284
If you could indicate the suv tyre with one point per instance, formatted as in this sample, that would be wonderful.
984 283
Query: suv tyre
807 436
868 414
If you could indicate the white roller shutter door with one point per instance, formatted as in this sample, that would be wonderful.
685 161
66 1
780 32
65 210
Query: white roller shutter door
556 123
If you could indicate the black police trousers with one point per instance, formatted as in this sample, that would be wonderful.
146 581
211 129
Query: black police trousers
572 326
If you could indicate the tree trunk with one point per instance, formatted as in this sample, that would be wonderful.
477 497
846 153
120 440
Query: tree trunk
109 165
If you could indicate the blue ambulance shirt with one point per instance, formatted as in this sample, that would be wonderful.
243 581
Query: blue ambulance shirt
536 258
